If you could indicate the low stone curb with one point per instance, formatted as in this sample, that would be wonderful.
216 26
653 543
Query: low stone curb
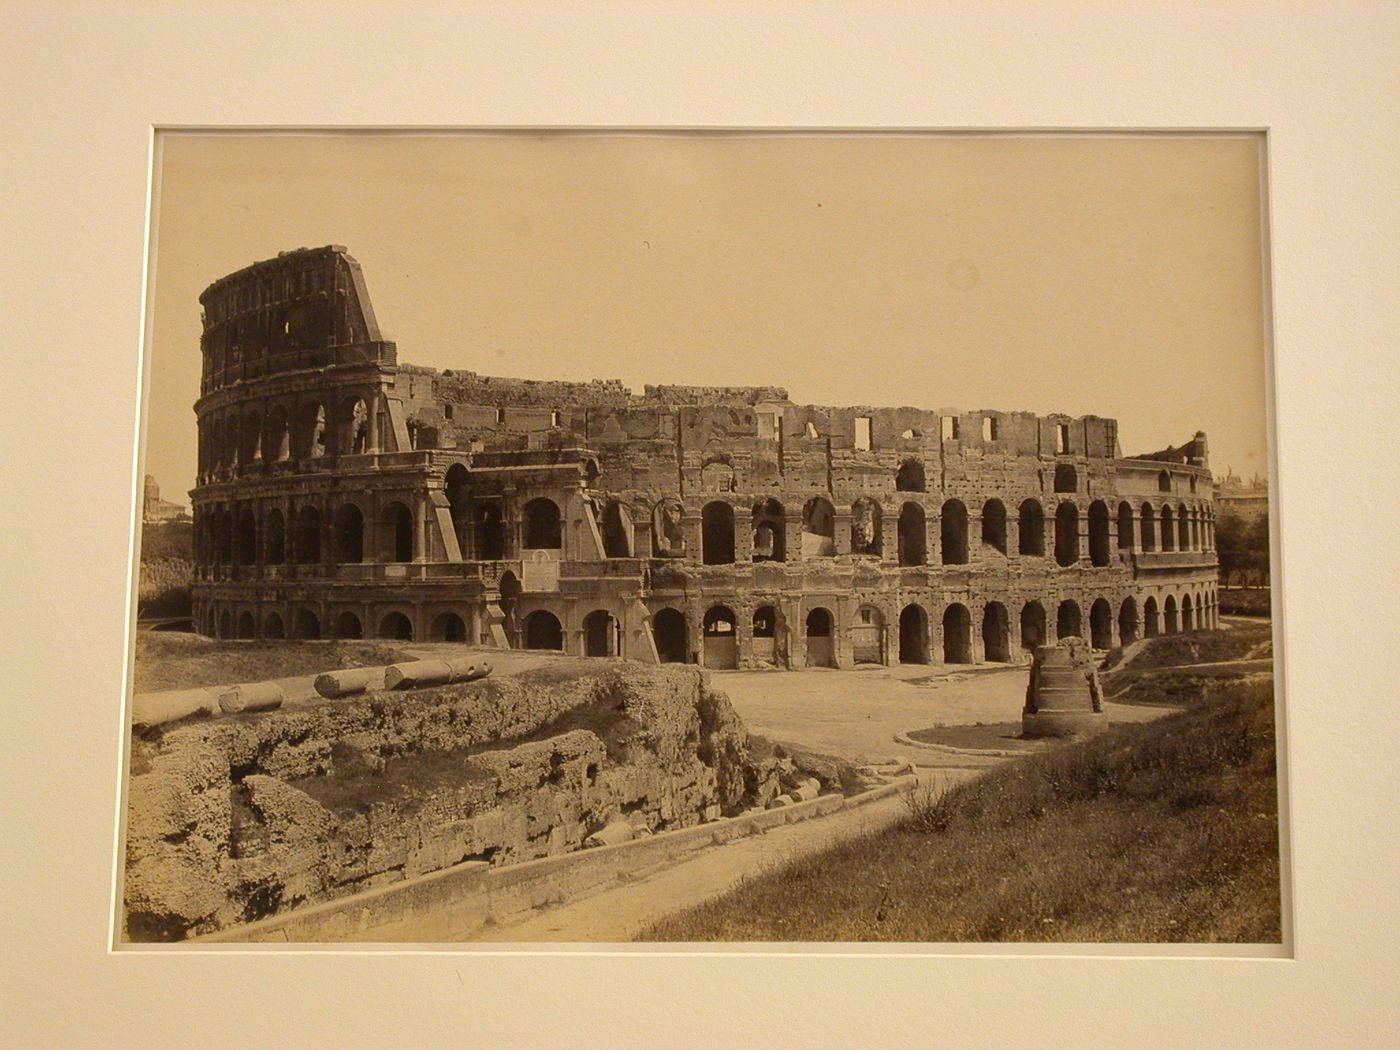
949 749
457 903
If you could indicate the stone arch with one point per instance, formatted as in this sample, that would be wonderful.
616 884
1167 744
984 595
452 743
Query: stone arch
953 533
247 545
996 633
490 529
765 634
672 636
250 450
306 538
668 529
912 537
276 437
1151 626
600 635
543 527
347 625
910 477
308 625
1066 478
447 627
957 634
1069 621
225 624
1030 524
1164 481
720 632
225 536
1032 625
1125 526
395 532
457 490
717 475
311 443
821 638
275 538
867 635
1066 534
1101 624
994 525
1169 621
865 527
1128 622
1183 529
247 626
349 527
1099 543
818 528
273 627
617 530
396 626
1188 613
769 531
717 533
1149 527
354 427
1168 529
913 634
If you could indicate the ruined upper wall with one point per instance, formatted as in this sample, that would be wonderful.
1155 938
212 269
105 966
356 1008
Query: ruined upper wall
304 309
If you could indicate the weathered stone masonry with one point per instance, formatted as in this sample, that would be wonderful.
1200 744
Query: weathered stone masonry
342 494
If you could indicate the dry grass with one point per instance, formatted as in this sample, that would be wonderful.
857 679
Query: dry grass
1164 831
183 661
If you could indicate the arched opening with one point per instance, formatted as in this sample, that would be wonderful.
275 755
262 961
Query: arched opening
459 505
1032 625
1164 482
957 634
313 431
1030 526
1127 622
1099 544
308 625
669 631
349 534
668 529
247 626
617 530
1168 530
273 628
490 532
1188 619
865 527
247 537
447 627
1149 527
276 446
599 634
395 533
347 625
765 632
306 542
910 477
1125 526
252 438
717 476
1101 624
769 531
1066 534
953 533
542 631
867 636
913 635
911 534
996 633
397 626
275 538
721 645
1183 530
225 534
1066 478
542 526
994 525
818 528
356 424
225 624
717 533
1169 620
821 641
1151 626
1069 621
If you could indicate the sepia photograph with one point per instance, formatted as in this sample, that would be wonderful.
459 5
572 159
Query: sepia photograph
705 538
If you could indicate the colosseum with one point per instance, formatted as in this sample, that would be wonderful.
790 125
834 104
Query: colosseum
343 494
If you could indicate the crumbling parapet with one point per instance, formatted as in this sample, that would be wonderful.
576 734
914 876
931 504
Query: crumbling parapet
1063 695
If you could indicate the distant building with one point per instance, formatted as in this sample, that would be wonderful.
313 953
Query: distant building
155 509
1236 498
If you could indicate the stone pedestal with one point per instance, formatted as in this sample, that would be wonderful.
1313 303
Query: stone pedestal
1063 697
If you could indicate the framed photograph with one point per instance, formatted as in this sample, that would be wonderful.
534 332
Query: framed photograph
765 546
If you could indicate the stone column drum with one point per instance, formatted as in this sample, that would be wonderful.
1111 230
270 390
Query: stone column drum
1063 697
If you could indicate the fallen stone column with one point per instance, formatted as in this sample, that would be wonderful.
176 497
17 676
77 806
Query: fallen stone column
418 673
259 696
616 833
344 683
154 709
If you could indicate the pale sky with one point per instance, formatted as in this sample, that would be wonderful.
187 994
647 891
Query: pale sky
1119 276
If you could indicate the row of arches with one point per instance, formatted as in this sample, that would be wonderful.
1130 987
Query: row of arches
235 536
306 430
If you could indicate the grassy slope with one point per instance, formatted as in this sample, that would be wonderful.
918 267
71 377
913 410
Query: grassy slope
1164 831
182 661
